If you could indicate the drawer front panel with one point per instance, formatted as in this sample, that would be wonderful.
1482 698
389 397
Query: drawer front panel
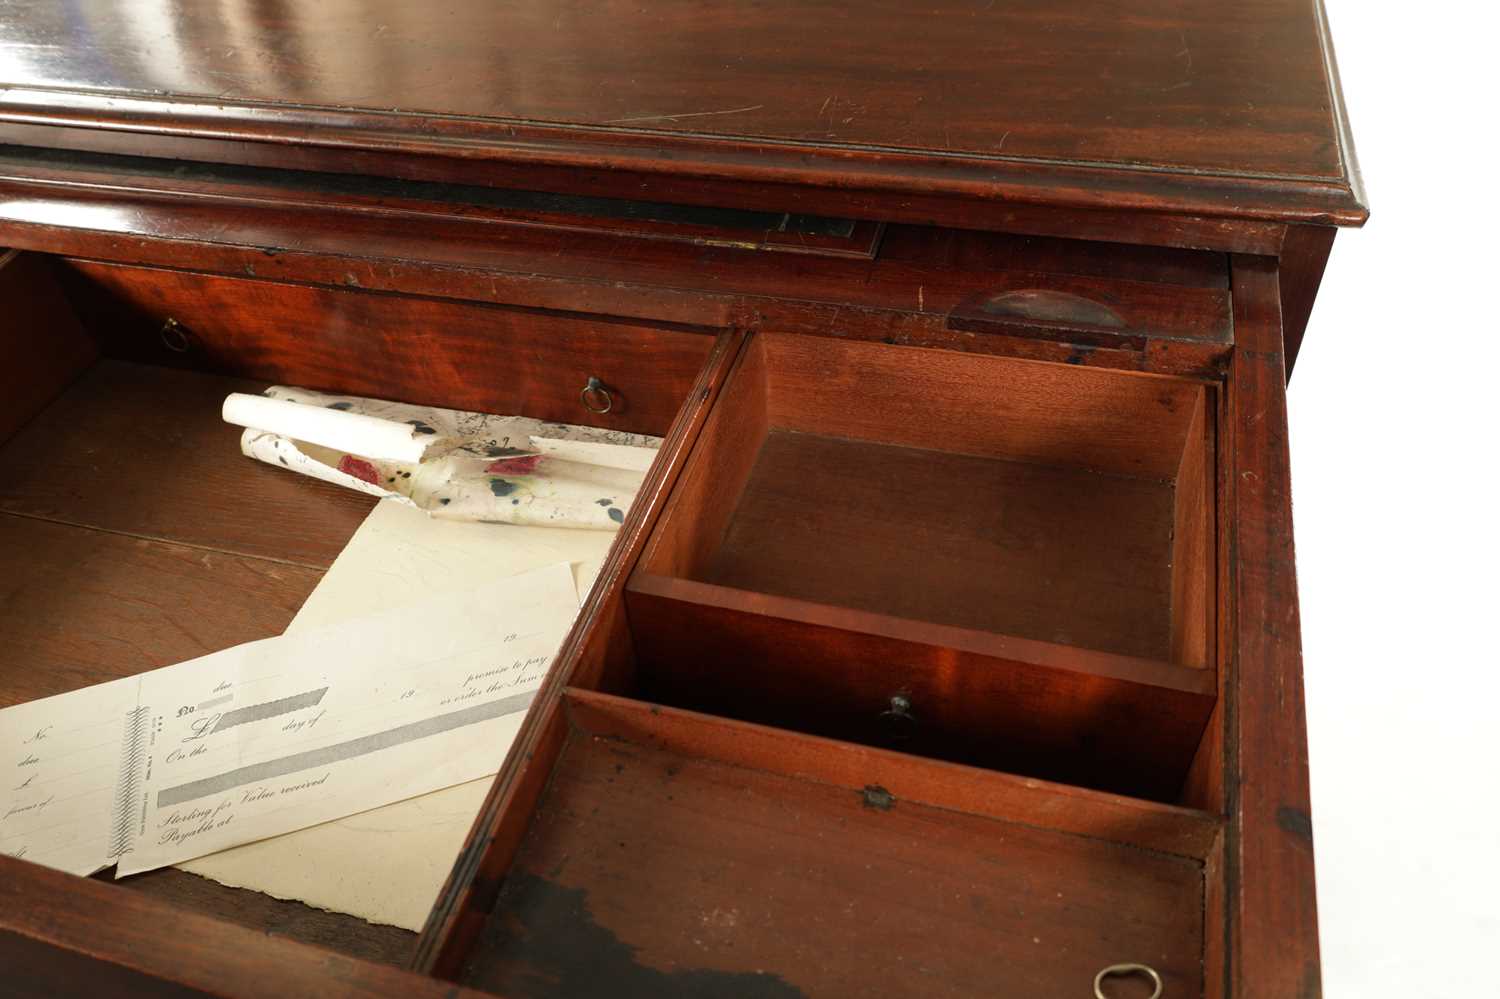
426 351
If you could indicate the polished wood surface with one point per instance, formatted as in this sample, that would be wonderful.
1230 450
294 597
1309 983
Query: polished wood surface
1047 710
926 285
422 351
483 205
1199 110
1269 846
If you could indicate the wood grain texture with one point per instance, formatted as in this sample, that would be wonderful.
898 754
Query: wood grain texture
141 450
1101 721
42 345
1152 826
1304 255
992 407
928 286
66 936
1198 111
1056 554
652 873
418 201
703 503
1272 941
274 917
421 351
981 493
1194 549
79 606
127 209
596 650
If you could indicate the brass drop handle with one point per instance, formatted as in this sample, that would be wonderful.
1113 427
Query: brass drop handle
1144 970
595 397
174 336
898 718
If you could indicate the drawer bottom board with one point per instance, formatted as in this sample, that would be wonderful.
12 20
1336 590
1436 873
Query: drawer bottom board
646 872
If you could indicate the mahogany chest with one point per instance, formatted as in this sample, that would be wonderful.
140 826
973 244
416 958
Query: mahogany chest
951 648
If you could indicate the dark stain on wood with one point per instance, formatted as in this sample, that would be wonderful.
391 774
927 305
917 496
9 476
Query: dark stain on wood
565 952
1295 821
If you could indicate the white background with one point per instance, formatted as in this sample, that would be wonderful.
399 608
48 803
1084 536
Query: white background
1395 443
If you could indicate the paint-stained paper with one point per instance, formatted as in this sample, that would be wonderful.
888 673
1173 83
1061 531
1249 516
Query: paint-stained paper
479 467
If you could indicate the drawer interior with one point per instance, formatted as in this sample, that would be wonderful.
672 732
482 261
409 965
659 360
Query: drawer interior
991 560
670 857
895 698
133 534
892 694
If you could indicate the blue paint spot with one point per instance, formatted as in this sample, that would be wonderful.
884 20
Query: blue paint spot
341 405
617 515
502 488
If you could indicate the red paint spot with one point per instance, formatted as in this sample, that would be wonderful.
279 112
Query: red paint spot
360 469
523 465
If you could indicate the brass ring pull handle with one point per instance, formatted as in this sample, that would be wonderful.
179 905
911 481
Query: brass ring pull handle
898 718
595 397
1127 969
174 336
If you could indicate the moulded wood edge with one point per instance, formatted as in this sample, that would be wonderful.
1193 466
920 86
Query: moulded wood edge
1190 680
940 784
159 946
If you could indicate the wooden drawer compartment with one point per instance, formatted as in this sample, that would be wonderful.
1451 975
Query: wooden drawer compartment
134 535
676 854
429 351
991 560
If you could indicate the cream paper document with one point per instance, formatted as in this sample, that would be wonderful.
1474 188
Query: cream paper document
279 734
387 865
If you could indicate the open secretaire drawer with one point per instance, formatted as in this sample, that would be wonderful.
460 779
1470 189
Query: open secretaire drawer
994 561
912 672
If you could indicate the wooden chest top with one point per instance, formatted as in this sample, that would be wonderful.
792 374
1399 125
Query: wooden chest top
1227 110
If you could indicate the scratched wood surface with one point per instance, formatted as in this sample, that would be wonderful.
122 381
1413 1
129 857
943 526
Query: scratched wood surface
651 873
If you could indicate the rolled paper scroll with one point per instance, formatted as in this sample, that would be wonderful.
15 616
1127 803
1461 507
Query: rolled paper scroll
464 466
340 429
